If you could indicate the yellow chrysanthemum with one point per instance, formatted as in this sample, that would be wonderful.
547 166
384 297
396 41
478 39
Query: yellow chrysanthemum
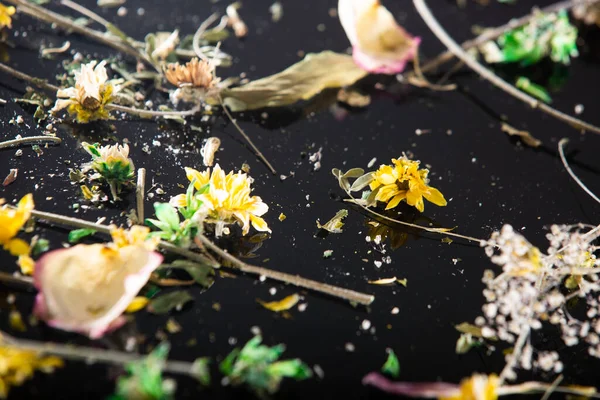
6 12
404 181
136 236
11 221
16 366
477 387
228 199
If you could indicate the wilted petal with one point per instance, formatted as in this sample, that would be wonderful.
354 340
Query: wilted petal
259 224
379 44
86 288
417 390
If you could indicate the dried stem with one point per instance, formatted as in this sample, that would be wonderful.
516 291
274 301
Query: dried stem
241 131
153 113
51 17
90 355
561 151
85 11
28 140
494 33
346 294
537 387
517 349
41 83
16 279
140 191
166 246
198 35
485 73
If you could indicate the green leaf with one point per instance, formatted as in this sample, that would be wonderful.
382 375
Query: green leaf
335 224
200 370
117 32
533 89
290 369
301 81
169 301
77 234
203 274
391 366
163 226
226 366
167 214
40 246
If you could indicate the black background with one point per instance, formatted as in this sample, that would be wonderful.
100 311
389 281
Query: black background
488 178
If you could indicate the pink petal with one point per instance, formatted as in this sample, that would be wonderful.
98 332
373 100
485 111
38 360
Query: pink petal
409 389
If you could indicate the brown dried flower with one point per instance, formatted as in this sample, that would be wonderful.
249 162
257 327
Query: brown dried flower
588 13
195 73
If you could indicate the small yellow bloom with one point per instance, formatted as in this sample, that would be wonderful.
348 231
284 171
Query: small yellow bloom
92 92
404 181
5 15
136 236
17 366
26 263
111 161
477 387
137 304
11 221
228 199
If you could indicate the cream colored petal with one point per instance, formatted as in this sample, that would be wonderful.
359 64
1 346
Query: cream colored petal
61 104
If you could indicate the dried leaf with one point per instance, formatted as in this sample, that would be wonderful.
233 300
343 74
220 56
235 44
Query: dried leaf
301 81
281 305
335 224
471 329
383 281
525 136
174 300
361 182
11 177
202 274
353 98
402 282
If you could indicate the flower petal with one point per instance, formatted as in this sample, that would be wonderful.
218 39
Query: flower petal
409 389
396 200
259 224
435 196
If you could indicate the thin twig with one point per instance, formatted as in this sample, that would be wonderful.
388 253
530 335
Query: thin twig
552 387
535 387
85 11
153 113
420 80
41 83
346 294
51 17
241 131
198 35
16 279
140 191
561 151
494 33
90 355
28 140
440 231
517 349
485 73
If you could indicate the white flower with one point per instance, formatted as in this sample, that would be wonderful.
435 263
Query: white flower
379 44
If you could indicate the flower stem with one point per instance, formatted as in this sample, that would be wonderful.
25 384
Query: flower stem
561 151
16 279
113 190
41 83
245 136
152 113
140 190
346 294
90 355
171 248
485 73
28 140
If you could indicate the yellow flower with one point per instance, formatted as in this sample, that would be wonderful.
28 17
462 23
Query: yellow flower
92 92
404 181
11 221
227 199
5 15
477 387
136 236
16 366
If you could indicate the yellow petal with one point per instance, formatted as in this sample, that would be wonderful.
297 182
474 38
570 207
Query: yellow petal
179 201
201 177
137 304
259 224
281 305
17 247
435 196
396 200
383 281
26 264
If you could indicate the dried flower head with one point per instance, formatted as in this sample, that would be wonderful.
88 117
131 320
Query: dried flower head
226 199
92 92
195 73
6 12
404 180
379 44
17 366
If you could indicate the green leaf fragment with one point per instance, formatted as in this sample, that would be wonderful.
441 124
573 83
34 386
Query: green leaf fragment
203 274
170 301
200 370
335 224
167 214
392 365
533 89
40 246
77 234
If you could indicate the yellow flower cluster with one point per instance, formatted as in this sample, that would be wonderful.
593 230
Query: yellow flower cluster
136 236
11 221
477 387
227 199
404 181
6 12
16 366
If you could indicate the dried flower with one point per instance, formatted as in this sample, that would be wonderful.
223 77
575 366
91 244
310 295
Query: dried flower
379 44
226 200
17 366
11 221
92 92
6 12
86 288
195 73
209 149
404 181
588 13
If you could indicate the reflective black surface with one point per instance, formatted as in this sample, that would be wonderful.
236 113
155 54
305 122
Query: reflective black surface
488 178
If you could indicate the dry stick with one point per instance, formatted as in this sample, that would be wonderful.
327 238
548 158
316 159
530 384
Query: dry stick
41 83
90 354
201 29
87 12
494 33
166 246
28 140
140 190
561 151
241 131
532 387
152 113
485 73
54 18
20 280
295 280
